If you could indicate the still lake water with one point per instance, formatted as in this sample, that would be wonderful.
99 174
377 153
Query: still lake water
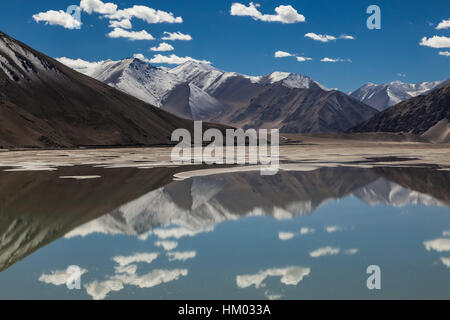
137 234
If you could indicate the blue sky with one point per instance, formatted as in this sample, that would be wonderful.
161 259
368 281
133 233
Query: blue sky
247 44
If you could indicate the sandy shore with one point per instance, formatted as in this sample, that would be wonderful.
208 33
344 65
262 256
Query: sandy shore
309 152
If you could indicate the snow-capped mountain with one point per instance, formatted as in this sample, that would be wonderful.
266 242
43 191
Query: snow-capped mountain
290 80
136 78
213 80
290 102
383 96
156 86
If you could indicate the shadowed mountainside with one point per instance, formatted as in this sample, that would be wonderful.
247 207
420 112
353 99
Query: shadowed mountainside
416 116
43 103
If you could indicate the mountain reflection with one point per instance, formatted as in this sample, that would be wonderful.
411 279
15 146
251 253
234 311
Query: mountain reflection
37 208
198 204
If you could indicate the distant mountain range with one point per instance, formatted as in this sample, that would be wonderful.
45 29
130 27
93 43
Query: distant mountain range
383 96
426 115
46 104
43 103
291 102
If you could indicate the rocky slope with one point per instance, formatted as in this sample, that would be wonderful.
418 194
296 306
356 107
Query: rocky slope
46 104
416 116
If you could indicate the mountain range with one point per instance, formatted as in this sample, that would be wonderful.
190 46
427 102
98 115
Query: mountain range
383 96
291 102
43 103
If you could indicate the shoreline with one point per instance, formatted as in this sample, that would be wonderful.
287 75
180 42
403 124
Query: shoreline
311 151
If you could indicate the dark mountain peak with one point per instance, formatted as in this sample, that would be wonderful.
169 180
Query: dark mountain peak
138 63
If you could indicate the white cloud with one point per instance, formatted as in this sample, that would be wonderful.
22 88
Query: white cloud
304 231
172 36
124 24
167 245
174 59
146 14
325 251
436 42
302 59
447 232
98 6
439 245
59 18
141 57
401 75
326 59
283 236
327 38
331 229
444 24
346 37
132 35
181 256
138 257
118 18
446 54
79 65
284 14
289 276
58 277
320 37
163 47
282 54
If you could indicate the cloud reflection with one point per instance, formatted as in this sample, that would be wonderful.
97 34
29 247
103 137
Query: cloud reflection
181 256
289 276
167 245
439 245
138 257
325 251
58 277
